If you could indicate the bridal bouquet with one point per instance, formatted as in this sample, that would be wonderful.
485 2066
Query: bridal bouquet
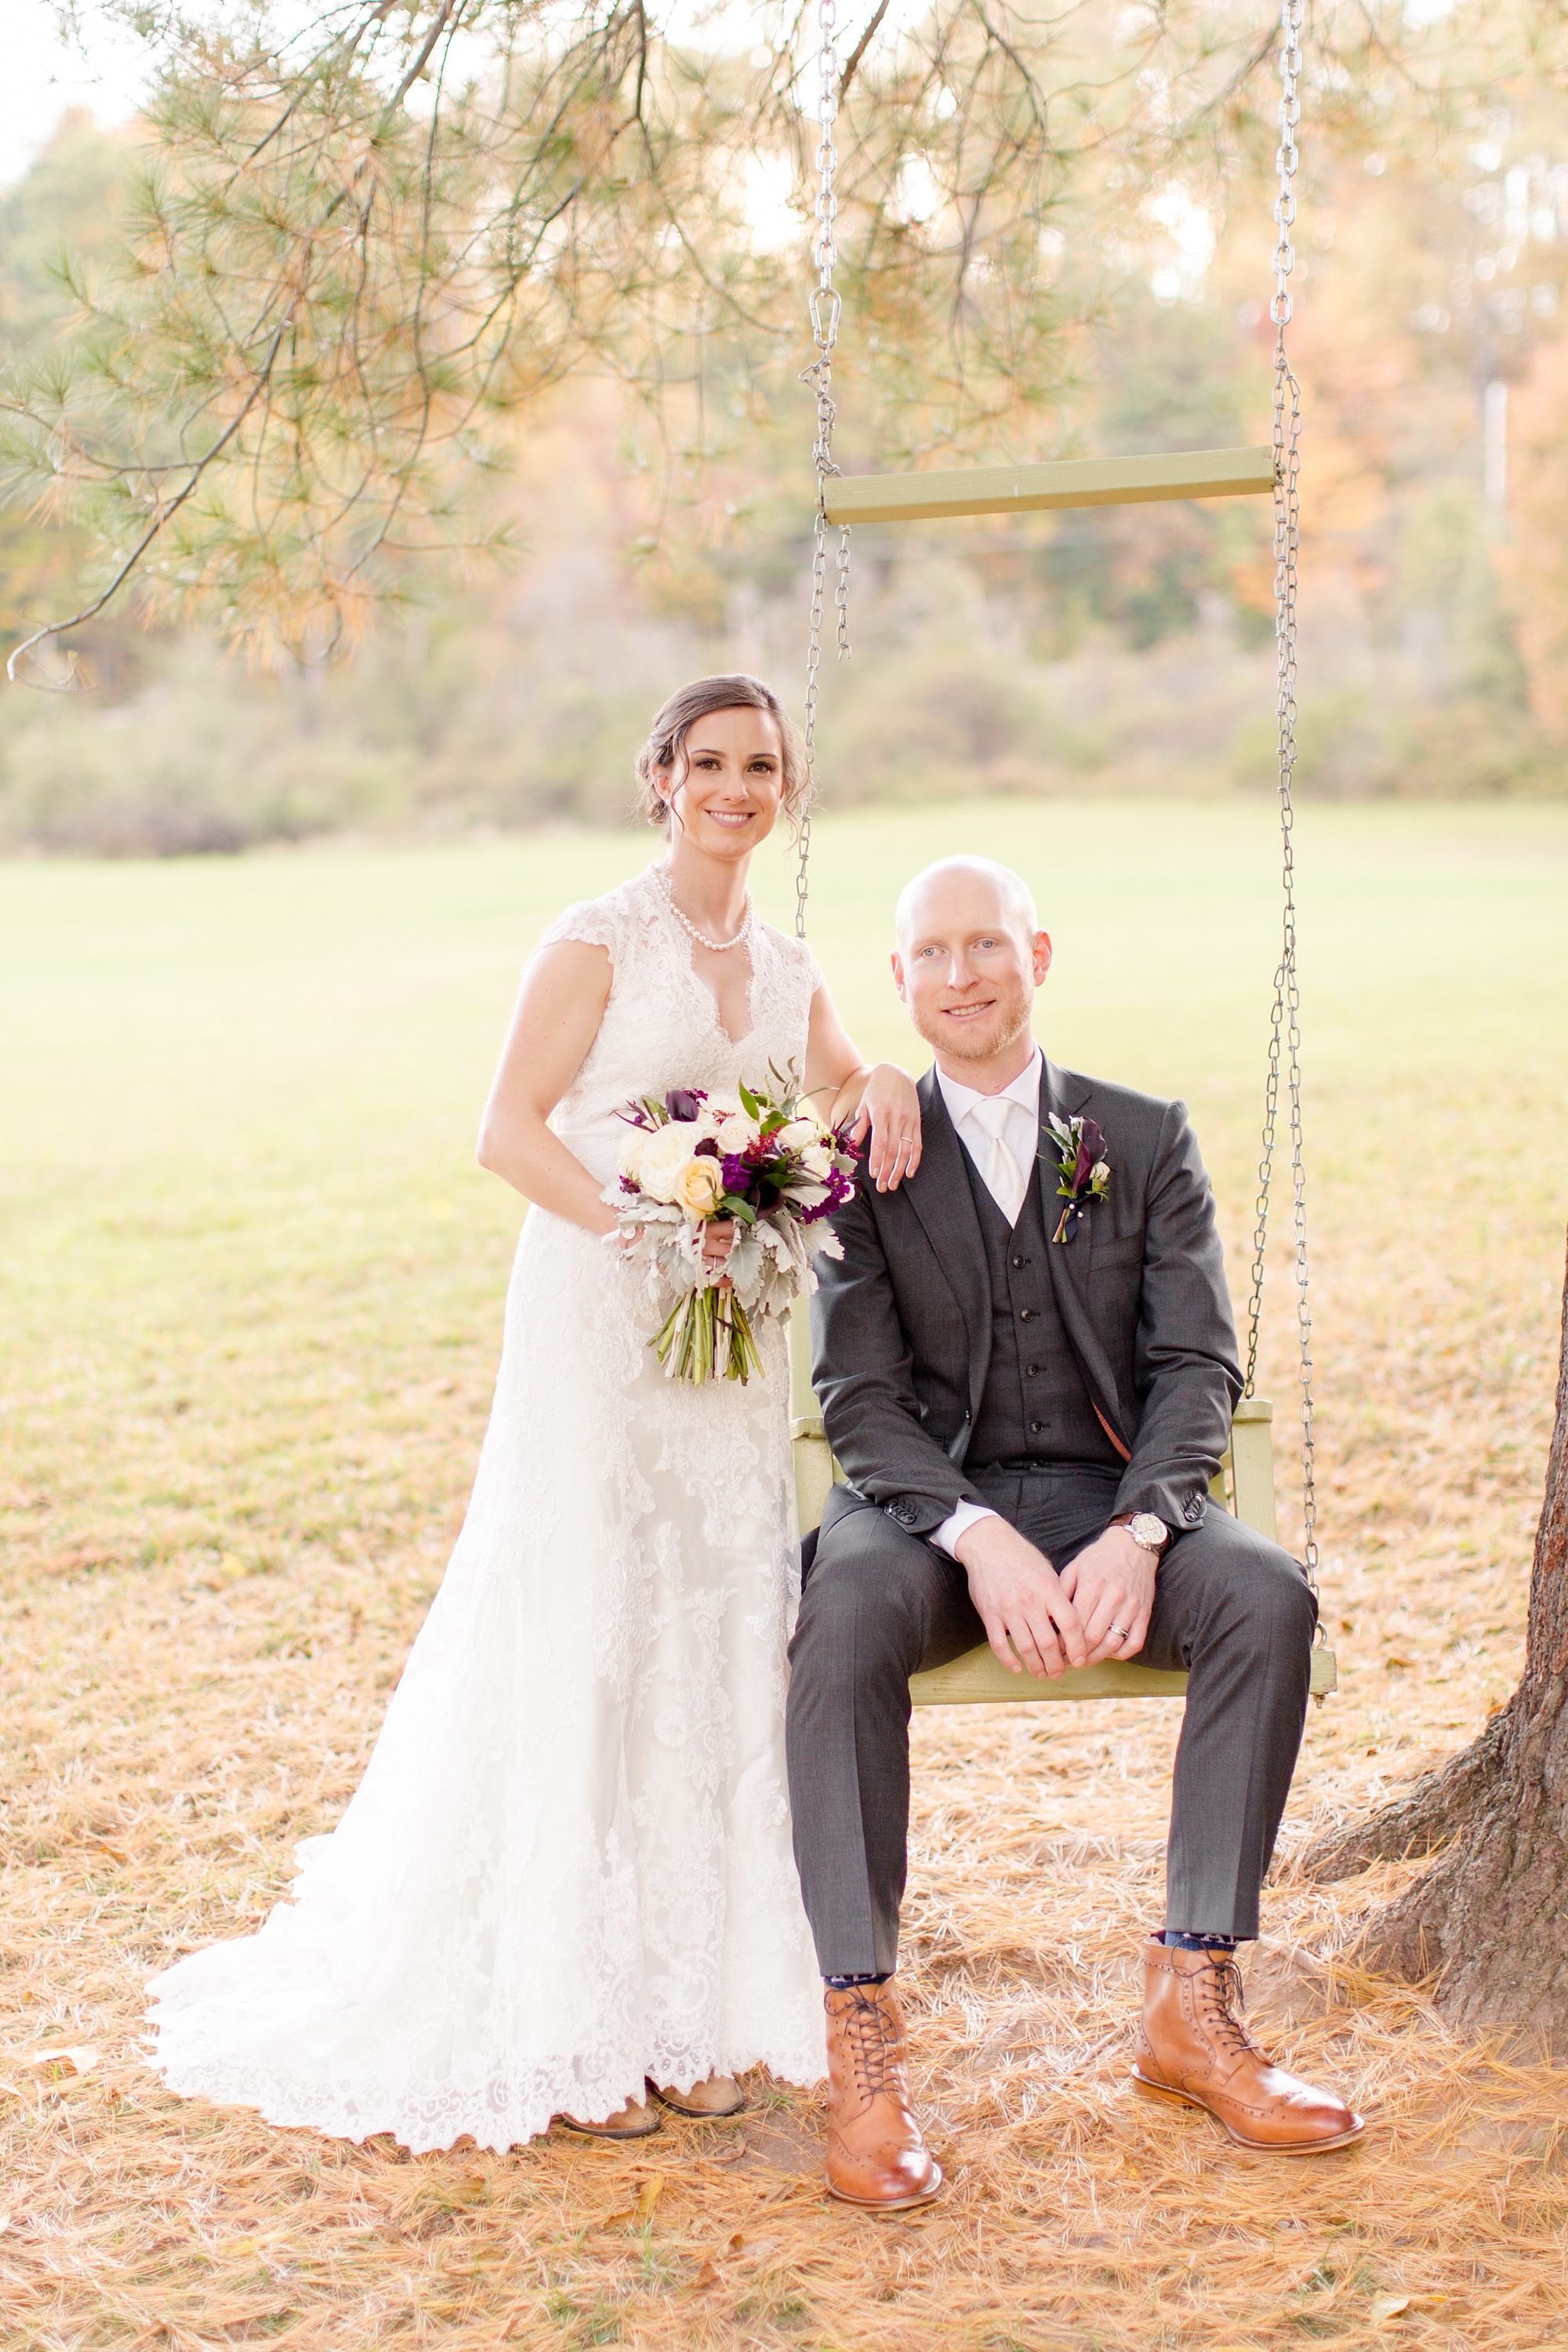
765 1160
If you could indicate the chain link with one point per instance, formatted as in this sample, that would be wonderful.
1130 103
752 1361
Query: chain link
1285 1030
826 307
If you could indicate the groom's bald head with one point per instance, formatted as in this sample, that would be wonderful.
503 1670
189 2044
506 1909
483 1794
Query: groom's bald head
979 884
970 956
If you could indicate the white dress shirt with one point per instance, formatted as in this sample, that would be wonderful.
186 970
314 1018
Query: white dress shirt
1022 1136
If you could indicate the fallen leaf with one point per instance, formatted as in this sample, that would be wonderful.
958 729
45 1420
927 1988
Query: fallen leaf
1387 2306
648 2196
736 2242
101 1845
1389 1663
1131 2171
621 2213
707 2276
80 2060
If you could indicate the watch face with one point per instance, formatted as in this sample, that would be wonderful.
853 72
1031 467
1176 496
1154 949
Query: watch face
1147 1529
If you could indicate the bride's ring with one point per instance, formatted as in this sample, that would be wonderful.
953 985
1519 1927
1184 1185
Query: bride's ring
1119 1632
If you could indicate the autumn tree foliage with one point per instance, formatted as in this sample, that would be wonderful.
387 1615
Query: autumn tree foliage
362 248
1534 558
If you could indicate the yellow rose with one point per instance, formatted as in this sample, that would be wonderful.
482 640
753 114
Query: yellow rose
701 1187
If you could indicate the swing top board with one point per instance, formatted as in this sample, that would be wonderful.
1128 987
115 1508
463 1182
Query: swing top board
1028 490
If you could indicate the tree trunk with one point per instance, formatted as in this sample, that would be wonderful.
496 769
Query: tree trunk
1491 1917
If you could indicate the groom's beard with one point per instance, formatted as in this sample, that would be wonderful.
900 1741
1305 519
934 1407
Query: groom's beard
1001 1026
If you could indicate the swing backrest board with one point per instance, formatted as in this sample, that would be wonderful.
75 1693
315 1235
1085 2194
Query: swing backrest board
1030 489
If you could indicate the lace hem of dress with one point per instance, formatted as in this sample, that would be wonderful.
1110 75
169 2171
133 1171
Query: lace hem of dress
497 2111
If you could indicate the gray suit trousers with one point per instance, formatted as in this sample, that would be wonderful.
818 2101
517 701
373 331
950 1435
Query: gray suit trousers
1232 1609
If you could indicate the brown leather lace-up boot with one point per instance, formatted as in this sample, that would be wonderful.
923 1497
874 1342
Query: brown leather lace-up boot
1194 2049
876 2156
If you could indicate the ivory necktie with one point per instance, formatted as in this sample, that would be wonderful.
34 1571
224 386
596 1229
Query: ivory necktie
1004 1180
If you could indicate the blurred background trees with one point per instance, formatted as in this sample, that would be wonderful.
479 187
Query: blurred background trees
537 477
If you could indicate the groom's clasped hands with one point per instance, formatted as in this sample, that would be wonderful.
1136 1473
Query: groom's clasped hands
1098 1606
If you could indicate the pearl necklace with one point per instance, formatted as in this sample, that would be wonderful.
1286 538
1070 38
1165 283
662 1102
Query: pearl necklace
718 946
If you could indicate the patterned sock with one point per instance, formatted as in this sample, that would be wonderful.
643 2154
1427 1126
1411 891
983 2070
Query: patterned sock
1181 1940
842 1984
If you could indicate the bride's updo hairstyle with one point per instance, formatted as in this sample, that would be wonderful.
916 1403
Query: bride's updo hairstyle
661 762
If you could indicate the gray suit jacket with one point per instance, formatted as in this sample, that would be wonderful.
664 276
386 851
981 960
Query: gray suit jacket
901 1324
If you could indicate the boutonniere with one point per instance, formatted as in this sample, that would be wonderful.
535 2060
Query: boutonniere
1085 1171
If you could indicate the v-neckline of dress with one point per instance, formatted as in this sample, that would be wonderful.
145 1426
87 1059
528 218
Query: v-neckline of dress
685 942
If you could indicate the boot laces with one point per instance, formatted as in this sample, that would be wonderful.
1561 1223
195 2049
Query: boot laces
872 2040
1222 1993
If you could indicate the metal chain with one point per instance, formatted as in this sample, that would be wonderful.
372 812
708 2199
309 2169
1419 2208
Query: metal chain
826 307
1285 1030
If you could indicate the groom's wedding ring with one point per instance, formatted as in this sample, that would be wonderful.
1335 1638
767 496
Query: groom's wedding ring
1119 1632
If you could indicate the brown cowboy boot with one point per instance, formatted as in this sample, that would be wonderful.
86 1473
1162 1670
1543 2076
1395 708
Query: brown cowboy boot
1192 2048
876 2156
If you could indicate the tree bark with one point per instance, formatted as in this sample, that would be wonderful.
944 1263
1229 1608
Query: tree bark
1490 1918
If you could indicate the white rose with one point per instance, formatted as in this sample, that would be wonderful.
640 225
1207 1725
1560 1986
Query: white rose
737 1133
723 1105
631 1153
819 1161
799 1134
664 1157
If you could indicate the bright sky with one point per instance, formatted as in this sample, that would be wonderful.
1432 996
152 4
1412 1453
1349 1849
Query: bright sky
42 77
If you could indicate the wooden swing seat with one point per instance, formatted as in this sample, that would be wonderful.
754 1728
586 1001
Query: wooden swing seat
1033 490
1244 1484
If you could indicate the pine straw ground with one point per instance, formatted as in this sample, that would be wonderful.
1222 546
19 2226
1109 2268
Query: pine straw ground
244 1398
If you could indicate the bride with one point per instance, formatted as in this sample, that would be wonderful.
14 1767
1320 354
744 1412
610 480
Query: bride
565 1880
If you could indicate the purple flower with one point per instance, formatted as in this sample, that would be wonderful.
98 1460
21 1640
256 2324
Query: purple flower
681 1102
1090 1148
840 1188
737 1172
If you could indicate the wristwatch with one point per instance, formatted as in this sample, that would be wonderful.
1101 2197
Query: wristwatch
1145 1530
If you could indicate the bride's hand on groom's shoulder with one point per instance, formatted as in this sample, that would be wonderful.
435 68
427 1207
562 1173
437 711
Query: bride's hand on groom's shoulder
890 1110
1025 1609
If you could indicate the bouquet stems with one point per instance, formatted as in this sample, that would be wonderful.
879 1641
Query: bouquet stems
706 1336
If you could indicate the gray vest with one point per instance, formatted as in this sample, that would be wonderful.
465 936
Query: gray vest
1034 1406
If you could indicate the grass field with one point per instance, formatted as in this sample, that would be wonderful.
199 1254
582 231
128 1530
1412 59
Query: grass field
252 1291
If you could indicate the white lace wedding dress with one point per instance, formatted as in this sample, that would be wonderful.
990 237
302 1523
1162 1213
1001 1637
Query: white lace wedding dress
568 1866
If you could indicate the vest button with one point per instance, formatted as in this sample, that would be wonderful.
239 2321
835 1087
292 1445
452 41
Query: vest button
1020 1261
1026 1314
1031 1371
1035 1427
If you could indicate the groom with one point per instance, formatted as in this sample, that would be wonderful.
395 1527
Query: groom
1028 1395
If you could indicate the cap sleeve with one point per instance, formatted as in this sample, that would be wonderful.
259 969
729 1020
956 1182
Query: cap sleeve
813 969
593 922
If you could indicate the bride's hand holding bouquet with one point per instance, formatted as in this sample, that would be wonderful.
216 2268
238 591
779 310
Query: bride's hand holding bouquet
761 1168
